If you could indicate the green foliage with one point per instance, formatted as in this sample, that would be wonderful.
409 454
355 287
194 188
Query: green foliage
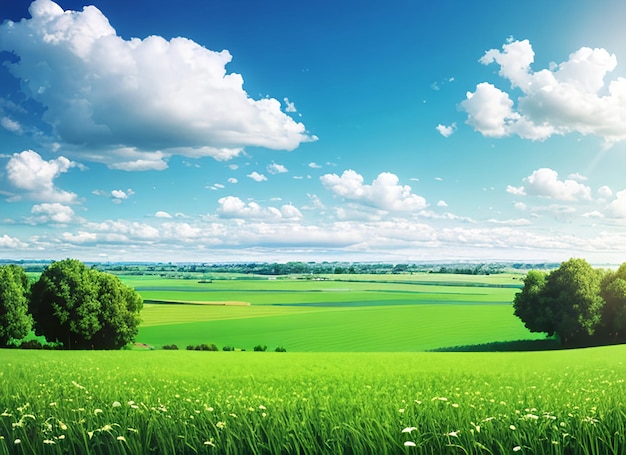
84 308
15 322
580 304
259 348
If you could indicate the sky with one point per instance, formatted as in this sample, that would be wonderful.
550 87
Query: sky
274 131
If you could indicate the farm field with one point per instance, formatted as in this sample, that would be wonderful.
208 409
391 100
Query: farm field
346 313
557 402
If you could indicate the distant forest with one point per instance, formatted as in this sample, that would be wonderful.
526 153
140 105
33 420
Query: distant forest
190 270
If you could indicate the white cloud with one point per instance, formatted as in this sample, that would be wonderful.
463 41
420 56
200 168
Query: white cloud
604 192
516 190
275 168
592 214
446 131
118 101
572 97
11 125
545 183
257 177
52 212
577 177
442 204
384 193
520 206
314 165
233 180
119 194
28 172
617 208
9 242
162 214
290 107
233 207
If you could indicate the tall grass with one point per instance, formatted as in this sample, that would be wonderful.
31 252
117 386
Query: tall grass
565 402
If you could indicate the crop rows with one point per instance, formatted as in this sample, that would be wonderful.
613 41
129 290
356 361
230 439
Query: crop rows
566 402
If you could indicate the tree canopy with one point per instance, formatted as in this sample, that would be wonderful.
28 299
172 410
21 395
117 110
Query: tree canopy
576 302
84 308
15 322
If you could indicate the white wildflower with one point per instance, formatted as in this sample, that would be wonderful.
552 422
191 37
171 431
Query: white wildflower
409 444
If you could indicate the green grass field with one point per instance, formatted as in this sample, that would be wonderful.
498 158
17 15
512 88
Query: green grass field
565 402
348 313
333 398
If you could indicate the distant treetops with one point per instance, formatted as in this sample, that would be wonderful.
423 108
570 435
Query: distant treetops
79 307
579 304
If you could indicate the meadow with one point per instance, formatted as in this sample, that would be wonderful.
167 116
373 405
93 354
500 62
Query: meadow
326 394
565 402
345 313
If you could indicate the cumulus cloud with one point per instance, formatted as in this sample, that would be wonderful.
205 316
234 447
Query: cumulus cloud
617 208
384 193
133 103
162 214
545 183
257 177
30 173
275 168
604 192
446 131
9 242
52 212
571 97
233 207
121 194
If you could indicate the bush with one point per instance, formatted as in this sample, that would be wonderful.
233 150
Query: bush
170 347
260 348
31 344
202 347
280 349
228 348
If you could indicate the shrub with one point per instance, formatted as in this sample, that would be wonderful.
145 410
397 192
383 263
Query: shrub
170 347
31 344
228 348
260 348
280 349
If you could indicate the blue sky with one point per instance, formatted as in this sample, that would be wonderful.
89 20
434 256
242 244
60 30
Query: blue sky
275 131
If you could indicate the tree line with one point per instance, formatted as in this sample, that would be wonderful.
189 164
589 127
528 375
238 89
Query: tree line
70 304
577 303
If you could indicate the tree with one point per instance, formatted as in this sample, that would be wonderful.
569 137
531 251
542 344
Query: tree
566 302
15 322
613 291
529 306
572 293
84 308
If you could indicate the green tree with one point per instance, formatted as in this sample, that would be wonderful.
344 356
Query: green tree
84 308
572 294
15 322
120 308
613 291
529 304
566 302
